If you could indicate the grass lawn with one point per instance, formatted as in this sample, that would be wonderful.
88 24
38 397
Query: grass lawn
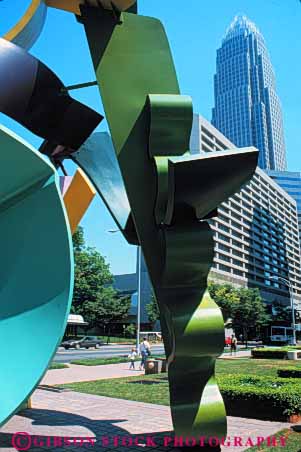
154 388
249 366
149 388
293 443
100 361
57 366
113 340
104 361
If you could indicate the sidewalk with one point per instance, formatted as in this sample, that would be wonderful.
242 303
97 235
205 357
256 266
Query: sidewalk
89 373
77 373
238 354
69 414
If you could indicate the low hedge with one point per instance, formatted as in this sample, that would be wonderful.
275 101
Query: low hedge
269 353
261 397
274 353
289 372
291 347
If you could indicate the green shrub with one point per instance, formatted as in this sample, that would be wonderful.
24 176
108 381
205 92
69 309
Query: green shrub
289 372
54 365
291 347
260 397
274 353
269 353
130 330
100 361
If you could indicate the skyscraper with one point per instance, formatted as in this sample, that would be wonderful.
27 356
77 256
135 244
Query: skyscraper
291 183
247 108
255 234
256 231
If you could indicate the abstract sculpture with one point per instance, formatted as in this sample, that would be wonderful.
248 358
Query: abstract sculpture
160 196
36 269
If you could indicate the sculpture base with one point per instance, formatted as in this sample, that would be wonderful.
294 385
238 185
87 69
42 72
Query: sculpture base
25 405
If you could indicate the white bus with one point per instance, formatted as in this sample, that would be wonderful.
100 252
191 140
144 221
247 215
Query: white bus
281 335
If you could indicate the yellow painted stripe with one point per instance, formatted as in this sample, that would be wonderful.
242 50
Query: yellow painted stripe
77 198
67 5
24 21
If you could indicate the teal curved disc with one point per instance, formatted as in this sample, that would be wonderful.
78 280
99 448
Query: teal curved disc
36 269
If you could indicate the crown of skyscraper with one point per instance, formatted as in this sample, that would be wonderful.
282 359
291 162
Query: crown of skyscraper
241 25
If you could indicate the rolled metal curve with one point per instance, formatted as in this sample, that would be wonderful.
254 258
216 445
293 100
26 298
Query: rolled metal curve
98 160
30 26
196 330
178 257
36 276
34 96
28 29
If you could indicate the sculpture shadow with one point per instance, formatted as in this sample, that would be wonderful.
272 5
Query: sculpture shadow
100 429
97 428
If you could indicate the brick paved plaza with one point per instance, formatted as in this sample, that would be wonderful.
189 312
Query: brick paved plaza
76 373
71 414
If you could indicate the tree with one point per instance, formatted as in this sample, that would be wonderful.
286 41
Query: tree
226 297
250 312
94 297
243 306
108 309
130 330
282 314
78 239
152 310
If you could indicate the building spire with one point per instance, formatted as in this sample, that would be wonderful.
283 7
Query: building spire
240 25
247 109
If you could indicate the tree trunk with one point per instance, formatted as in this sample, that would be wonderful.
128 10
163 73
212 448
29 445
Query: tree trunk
108 333
246 337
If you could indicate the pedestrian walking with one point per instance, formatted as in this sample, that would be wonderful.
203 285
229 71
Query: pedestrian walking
233 344
147 346
145 351
132 357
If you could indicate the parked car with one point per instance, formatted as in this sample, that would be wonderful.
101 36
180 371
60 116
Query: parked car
85 342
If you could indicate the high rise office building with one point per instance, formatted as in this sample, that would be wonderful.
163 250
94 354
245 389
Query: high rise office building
256 231
291 182
256 236
247 109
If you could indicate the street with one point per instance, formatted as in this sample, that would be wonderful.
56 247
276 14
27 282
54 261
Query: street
106 351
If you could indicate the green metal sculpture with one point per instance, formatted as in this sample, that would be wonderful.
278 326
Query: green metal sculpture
171 194
167 195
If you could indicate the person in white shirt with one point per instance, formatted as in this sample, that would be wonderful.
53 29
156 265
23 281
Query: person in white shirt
145 351
132 357
146 345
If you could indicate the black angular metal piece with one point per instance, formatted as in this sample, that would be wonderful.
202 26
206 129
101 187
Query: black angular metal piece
31 94
116 13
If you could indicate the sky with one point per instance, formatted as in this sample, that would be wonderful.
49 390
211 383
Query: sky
195 31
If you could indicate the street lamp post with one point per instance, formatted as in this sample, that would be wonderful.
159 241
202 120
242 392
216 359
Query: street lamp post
289 285
138 298
139 259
